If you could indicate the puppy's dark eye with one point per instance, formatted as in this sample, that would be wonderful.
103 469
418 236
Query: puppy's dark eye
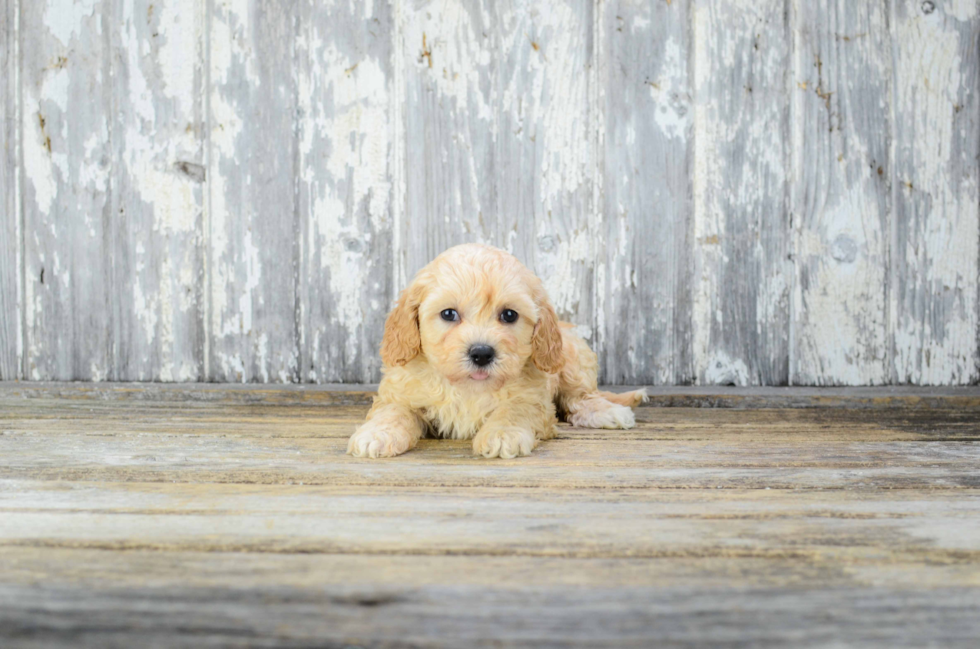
450 315
509 316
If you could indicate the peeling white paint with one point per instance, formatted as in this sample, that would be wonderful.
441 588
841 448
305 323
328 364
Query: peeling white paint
669 93
739 175
66 20
840 307
450 55
252 266
345 103
556 269
229 31
37 166
146 306
936 336
720 369
479 67
179 35
159 52
960 9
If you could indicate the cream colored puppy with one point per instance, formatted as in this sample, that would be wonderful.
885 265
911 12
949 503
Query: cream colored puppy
473 350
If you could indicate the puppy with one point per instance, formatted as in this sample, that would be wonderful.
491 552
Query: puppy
473 350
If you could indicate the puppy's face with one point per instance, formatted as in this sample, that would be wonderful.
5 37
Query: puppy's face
477 316
476 325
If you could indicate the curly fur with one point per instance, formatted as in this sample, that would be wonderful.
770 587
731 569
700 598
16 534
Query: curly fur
541 370
401 342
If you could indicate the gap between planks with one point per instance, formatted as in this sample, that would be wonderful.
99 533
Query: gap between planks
959 397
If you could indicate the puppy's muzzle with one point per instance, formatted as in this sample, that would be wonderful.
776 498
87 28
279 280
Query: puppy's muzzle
482 355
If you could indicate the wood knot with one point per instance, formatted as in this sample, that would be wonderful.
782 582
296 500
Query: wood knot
192 170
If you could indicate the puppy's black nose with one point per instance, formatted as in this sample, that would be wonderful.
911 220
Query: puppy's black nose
481 355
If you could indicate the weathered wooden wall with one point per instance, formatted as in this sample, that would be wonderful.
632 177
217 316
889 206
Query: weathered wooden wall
764 192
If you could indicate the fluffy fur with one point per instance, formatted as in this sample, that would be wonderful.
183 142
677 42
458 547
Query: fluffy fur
541 369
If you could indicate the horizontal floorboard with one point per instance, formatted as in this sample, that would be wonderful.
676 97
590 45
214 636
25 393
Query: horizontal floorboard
158 519
245 518
361 394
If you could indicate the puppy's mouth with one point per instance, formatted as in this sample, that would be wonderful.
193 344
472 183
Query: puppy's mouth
480 375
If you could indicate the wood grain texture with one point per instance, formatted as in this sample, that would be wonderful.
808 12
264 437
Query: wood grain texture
671 449
10 250
934 266
497 139
724 193
401 615
843 611
842 193
346 162
149 523
67 155
544 152
644 250
743 272
450 56
504 522
254 219
903 398
158 197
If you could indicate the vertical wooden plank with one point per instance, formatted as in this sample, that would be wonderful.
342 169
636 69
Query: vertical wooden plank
497 139
254 236
450 54
934 265
157 187
645 253
544 158
841 198
65 121
741 225
346 138
10 314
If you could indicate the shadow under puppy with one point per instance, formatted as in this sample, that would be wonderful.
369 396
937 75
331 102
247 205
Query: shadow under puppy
474 350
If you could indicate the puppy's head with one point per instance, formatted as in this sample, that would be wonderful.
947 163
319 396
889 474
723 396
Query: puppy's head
477 316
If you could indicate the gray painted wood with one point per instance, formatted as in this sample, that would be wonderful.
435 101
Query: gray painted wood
841 192
690 611
497 141
346 164
645 255
909 403
934 262
253 214
66 119
450 56
236 191
544 160
9 215
136 522
741 223
158 176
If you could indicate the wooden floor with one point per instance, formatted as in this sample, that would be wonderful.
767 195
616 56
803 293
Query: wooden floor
202 516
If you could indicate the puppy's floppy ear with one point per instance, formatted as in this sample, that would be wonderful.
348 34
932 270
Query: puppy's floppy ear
546 346
402 341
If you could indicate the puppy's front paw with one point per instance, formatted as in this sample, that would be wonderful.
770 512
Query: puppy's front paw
505 442
375 439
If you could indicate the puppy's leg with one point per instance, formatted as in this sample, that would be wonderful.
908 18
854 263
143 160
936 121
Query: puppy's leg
597 412
579 396
515 429
390 430
631 399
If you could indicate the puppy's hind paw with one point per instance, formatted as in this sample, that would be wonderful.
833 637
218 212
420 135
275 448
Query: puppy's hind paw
506 442
603 415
